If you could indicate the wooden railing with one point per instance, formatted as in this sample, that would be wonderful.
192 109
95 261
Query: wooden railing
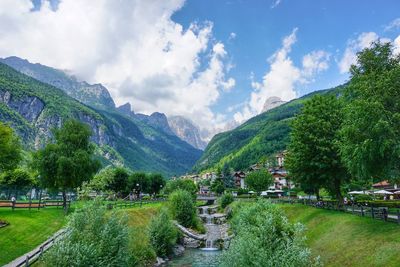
380 213
31 204
34 255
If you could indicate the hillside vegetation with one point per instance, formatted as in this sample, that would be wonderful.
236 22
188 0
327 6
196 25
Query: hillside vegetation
260 136
347 240
33 108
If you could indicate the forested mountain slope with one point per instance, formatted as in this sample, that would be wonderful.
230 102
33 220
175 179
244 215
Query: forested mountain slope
260 136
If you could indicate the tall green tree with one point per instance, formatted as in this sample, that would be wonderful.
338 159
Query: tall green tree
217 186
157 182
139 182
69 161
119 181
370 145
313 158
227 177
10 149
259 180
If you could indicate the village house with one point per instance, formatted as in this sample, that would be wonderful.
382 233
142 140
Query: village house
209 176
194 177
239 178
280 174
385 185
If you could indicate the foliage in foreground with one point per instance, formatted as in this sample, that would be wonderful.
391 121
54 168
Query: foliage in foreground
162 233
264 237
94 239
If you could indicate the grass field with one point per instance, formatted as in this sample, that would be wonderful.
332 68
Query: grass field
138 220
347 240
27 230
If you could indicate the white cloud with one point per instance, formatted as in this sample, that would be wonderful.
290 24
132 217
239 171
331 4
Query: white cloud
232 36
396 45
276 3
315 62
131 46
282 77
349 58
364 40
394 25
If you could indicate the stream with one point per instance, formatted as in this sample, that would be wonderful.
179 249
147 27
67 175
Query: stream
209 255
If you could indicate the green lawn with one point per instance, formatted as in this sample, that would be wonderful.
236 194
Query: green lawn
27 230
347 240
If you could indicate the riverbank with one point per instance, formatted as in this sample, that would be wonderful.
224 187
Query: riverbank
345 240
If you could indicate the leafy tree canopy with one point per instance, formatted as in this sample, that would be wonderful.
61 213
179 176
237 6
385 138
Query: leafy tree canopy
370 144
259 180
10 148
69 161
313 158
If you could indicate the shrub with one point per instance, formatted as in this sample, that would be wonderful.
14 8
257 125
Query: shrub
360 198
183 184
264 237
93 239
182 208
162 234
225 200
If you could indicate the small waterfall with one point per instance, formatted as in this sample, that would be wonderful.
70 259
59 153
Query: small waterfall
212 230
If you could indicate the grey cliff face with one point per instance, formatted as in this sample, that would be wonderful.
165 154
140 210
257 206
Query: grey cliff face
187 131
33 110
28 107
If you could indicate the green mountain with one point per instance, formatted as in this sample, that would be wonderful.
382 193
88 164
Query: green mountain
94 95
260 136
33 108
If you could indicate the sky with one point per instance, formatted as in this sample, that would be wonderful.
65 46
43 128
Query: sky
212 61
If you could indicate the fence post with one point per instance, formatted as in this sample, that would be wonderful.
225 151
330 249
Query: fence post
352 208
372 213
398 216
40 199
362 211
27 261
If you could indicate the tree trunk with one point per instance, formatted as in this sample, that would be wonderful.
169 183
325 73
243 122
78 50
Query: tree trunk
339 196
64 194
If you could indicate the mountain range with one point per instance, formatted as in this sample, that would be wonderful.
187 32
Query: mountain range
97 96
34 107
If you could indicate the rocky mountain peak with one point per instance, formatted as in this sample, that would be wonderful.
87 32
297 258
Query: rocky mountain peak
126 109
272 102
187 131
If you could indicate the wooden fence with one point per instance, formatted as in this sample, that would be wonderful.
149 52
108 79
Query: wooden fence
379 213
34 255
31 204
